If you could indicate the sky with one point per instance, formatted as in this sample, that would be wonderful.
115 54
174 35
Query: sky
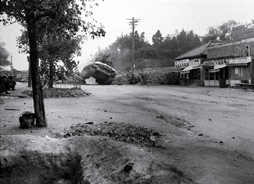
164 15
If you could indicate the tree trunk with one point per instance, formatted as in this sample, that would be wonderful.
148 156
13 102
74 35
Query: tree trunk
51 73
29 73
36 83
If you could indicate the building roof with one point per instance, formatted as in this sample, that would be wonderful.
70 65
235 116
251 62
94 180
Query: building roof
230 49
231 43
197 52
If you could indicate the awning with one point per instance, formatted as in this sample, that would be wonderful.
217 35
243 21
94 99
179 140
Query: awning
240 61
189 68
238 64
217 68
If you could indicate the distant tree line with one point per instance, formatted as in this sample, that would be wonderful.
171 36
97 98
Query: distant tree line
161 52
164 49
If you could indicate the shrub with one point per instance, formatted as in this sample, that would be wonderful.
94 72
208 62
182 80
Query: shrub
144 78
133 78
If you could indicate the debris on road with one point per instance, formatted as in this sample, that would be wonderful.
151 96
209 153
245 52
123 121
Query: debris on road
117 131
60 92
89 123
11 109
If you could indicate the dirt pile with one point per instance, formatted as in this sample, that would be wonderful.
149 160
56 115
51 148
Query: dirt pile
83 159
60 92
117 131
34 167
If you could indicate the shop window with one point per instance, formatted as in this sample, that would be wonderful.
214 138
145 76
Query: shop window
206 74
236 70
211 76
239 71
217 74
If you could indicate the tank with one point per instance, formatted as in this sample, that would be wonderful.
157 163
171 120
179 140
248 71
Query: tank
103 73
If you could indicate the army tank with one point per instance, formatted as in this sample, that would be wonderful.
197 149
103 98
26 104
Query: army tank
103 73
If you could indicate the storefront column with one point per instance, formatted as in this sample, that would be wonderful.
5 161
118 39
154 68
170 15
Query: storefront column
252 70
202 76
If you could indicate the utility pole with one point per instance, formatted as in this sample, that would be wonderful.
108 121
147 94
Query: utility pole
133 22
11 65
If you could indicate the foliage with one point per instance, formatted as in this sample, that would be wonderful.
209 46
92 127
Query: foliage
222 32
65 14
133 78
4 56
57 45
172 78
144 78
157 38
163 50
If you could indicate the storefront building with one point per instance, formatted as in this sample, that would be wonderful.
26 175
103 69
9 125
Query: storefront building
229 64
190 65
216 73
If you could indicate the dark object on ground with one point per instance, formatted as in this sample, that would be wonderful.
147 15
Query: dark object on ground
103 73
10 83
160 117
11 109
128 167
3 84
89 123
26 119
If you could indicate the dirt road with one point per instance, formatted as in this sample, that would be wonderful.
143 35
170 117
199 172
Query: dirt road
207 133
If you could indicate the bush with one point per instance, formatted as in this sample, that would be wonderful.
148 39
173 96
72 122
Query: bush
144 78
133 78
172 78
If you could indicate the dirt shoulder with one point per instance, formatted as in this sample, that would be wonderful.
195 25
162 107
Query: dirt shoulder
135 134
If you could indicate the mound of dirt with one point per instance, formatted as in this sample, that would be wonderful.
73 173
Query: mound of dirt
84 159
60 92
117 131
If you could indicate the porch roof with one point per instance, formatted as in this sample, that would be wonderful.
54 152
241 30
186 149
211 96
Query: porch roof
217 68
189 68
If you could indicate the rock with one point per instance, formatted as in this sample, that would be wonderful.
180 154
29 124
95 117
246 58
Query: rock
128 167
89 123
200 134
160 117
